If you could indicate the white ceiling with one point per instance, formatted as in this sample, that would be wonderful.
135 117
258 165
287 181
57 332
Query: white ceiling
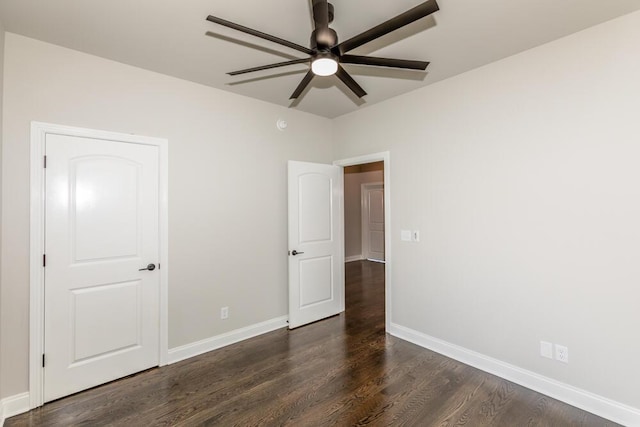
173 37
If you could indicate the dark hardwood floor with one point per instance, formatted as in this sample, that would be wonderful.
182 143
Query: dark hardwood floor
342 371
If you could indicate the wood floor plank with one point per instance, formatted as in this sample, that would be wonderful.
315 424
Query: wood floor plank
342 371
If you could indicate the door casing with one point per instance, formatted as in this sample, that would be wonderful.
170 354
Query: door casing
39 132
384 157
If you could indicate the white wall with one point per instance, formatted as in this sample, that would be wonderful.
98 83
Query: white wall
1 173
227 185
524 179
353 208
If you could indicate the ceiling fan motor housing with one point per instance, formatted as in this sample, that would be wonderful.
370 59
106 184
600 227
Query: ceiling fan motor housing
323 38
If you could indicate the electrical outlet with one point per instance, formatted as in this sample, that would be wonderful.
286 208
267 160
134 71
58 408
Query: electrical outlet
546 349
415 235
224 313
562 353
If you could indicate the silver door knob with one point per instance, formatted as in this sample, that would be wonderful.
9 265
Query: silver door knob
149 267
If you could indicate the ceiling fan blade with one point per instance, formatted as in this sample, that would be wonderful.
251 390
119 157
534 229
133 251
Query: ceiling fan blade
406 18
260 34
321 13
303 85
384 62
267 67
348 80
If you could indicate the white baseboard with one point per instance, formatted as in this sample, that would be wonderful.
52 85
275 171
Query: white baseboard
354 258
13 405
590 402
194 349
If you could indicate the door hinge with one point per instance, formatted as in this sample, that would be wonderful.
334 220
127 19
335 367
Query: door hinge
44 260
45 162
43 360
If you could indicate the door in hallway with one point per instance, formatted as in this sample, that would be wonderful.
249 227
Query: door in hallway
373 222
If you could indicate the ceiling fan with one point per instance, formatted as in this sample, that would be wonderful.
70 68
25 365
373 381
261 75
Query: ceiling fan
325 53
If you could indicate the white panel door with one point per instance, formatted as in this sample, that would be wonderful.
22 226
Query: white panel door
316 249
373 222
101 312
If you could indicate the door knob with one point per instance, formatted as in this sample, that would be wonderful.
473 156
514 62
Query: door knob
149 267
294 253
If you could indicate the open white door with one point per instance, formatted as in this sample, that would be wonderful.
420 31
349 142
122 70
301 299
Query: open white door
316 249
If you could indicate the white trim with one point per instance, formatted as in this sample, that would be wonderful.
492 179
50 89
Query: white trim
36 272
163 194
385 157
601 406
13 405
354 258
209 344
364 216
39 132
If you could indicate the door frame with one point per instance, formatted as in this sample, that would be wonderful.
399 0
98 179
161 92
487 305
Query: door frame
39 132
384 157
364 217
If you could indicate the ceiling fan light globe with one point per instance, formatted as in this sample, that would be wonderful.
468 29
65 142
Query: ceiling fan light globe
324 66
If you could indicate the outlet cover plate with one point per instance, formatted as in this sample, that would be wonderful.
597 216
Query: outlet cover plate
562 353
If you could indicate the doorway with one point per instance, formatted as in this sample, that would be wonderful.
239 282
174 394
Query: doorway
364 212
367 181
